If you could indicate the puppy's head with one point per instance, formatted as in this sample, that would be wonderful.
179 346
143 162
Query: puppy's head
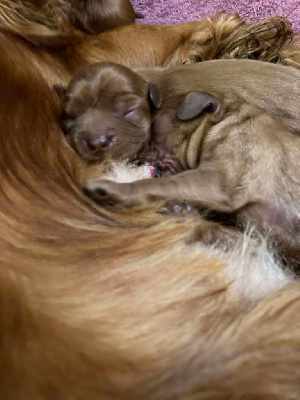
179 127
107 111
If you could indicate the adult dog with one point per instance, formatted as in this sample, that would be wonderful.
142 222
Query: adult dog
102 305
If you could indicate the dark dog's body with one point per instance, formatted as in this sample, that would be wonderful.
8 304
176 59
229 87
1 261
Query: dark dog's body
236 136
88 16
95 16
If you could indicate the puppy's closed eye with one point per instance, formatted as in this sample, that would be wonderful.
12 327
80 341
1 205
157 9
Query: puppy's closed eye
131 112
127 105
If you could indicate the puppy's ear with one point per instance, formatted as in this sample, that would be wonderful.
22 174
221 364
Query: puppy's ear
154 96
61 92
197 103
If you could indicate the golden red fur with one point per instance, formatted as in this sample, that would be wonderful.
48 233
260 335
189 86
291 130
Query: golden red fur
101 305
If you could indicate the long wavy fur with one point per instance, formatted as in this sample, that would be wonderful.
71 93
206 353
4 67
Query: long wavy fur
271 40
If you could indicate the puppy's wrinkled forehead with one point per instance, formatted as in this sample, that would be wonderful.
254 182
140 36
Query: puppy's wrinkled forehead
103 85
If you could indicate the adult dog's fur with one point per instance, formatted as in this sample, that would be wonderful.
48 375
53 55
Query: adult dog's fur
101 305
95 16
89 16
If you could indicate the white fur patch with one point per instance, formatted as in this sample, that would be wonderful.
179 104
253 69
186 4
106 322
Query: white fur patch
251 266
125 173
254 271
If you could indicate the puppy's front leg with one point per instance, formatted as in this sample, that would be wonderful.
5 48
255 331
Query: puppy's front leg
196 186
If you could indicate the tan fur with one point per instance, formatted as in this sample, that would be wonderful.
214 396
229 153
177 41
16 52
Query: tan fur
102 305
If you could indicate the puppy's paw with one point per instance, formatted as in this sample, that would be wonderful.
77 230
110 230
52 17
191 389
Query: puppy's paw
107 193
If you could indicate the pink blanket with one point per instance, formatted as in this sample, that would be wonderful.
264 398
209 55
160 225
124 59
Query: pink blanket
174 11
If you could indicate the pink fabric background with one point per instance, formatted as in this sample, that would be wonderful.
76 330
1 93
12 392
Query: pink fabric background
174 11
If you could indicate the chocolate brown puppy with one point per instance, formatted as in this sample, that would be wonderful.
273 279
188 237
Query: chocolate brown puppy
231 145
106 111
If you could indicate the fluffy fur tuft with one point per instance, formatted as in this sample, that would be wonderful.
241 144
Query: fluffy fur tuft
271 40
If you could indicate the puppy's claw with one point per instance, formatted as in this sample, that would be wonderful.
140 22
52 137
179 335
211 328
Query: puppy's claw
180 208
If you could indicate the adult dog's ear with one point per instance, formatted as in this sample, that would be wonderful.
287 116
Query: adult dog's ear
61 92
154 96
198 103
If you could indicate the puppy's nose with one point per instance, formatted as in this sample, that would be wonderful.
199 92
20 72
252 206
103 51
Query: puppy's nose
102 142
